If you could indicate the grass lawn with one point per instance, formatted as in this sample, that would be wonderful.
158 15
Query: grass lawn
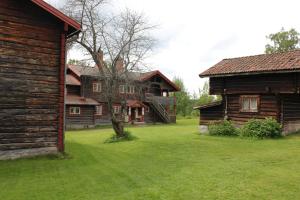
165 162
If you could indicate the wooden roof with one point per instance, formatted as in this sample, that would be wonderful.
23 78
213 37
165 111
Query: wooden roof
258 64
74 26
94 71
71 80
209 105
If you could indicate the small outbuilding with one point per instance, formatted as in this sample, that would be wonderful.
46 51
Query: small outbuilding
32 77
259 86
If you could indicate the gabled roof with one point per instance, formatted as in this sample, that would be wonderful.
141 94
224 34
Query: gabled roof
73 25
135 104
264 63
71 80
94 71
149 75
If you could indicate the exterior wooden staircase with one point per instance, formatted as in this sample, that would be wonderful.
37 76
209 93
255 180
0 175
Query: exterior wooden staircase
158 108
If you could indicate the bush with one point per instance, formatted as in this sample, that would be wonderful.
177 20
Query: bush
128 137
223 128
257 128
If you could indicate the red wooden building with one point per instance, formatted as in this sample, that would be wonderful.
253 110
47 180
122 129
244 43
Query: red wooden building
148 98
260 86
32 77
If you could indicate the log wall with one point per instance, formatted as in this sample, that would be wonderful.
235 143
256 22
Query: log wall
30 49
256 84
269 106
211 114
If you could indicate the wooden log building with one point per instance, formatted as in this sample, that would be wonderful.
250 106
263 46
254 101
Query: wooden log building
260 86
147 97
32 77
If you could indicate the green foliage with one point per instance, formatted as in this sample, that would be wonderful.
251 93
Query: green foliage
222 128
256 128
128 137
283 41
184 106
204 97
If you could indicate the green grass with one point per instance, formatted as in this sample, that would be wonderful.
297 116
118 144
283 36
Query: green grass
165 162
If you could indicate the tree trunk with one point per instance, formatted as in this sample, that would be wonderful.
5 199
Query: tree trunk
118 127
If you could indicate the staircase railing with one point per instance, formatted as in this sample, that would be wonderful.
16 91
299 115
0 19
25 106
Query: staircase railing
158 108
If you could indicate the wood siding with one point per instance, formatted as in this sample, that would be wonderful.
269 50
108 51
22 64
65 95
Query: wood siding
268 107
211 114
30 49
256 84
86 116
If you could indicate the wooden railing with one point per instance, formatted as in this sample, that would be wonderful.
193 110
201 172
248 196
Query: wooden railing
158 107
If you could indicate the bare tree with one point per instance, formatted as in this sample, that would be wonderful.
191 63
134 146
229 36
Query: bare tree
125 37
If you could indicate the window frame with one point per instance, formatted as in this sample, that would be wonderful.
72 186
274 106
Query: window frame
97 113
72 109
118 109
122 91
97 87
242 97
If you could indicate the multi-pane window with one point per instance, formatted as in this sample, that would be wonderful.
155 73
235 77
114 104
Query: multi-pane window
74 110
122 89
97 87
131 89
249 103
117 109
99 110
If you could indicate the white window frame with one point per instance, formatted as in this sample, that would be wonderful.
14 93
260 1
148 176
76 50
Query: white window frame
131 89
250 99
117 109
75 110
122 89
99 110
97 87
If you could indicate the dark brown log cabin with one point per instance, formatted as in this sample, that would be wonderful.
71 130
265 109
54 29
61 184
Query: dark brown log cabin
148 98
258 86
32 77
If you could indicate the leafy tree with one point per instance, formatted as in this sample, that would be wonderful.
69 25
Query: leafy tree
283 41
112 40
204 97
184 106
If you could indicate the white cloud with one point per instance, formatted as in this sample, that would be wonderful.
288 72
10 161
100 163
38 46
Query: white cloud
196 34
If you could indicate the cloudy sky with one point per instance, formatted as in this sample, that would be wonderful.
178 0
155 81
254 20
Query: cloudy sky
196 34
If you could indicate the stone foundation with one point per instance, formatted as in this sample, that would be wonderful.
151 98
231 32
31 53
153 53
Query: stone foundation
203 129
26 153
291 127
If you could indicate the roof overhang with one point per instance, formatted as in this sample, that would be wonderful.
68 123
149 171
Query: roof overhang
250 73
158 73
74 27
209 105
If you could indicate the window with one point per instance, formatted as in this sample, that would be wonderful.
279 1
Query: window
147 109
131 89
97 87
99 110
249 103
122 89
74 110
117 109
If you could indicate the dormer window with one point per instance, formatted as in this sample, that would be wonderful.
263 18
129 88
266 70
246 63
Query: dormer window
97 87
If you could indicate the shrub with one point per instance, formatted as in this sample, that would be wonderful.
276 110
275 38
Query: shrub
257 128
127 137
225 128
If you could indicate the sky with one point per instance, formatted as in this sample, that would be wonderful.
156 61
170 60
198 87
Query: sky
194 35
